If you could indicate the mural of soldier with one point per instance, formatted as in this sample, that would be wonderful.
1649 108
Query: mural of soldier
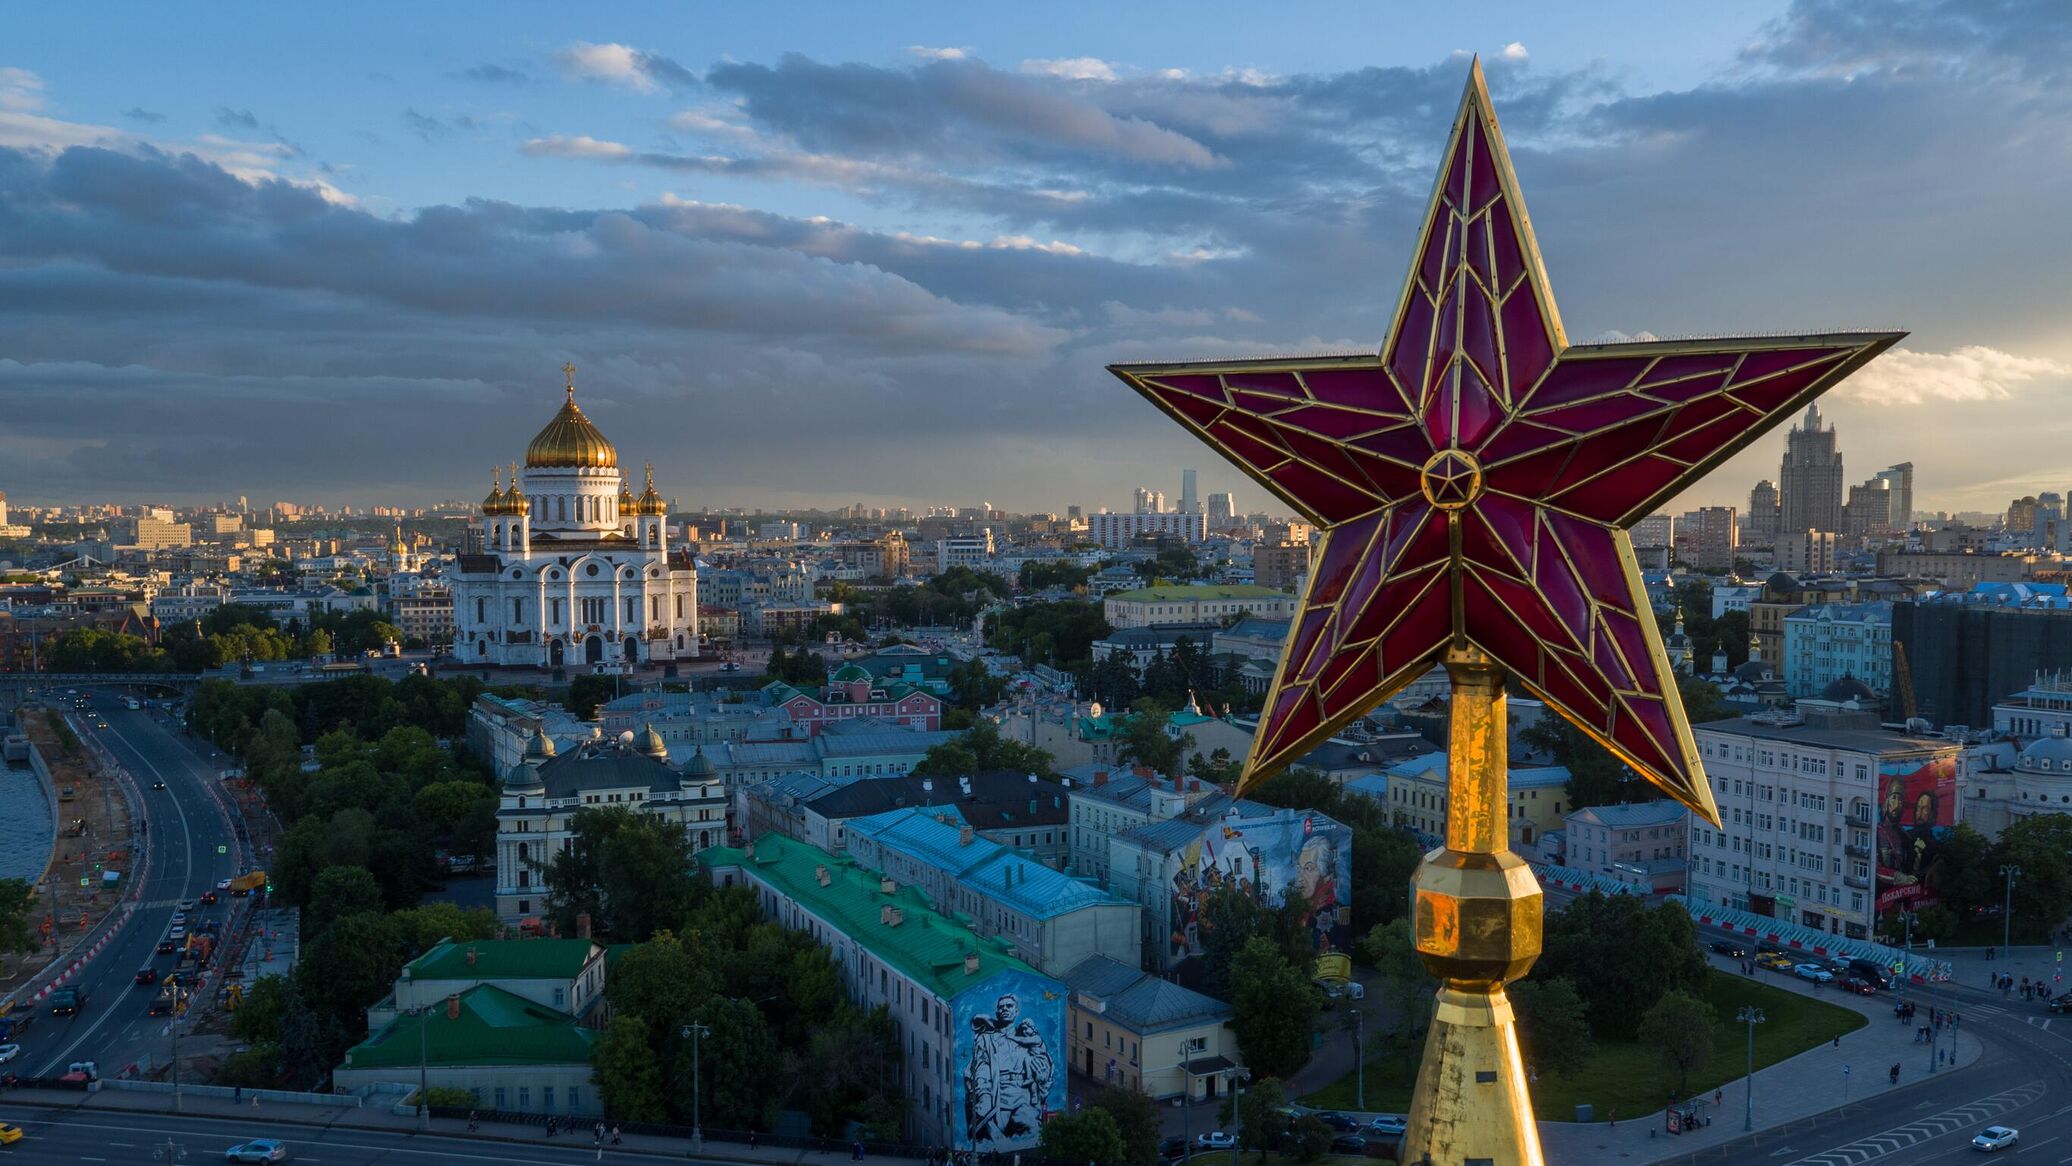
1007 1082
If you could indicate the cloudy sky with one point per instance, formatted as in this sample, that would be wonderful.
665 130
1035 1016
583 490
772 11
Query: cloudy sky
816 254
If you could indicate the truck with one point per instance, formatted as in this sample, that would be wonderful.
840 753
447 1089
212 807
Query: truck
166 1001
133 705
67 1001
248 882
15 1019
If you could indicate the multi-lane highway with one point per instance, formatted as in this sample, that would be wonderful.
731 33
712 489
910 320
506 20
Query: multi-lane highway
95 1135
190 845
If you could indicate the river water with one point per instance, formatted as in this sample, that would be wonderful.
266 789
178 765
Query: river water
25 829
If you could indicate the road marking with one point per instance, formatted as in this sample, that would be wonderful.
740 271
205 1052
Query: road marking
1923 1129
187 838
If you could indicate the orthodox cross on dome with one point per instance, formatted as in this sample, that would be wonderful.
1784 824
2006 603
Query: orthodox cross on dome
650 475
1474 480
569 370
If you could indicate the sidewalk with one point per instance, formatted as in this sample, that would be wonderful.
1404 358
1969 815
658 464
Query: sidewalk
1969 968
267 1119
1812 1082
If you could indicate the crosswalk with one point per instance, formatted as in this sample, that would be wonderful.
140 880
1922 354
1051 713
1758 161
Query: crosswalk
1948 1121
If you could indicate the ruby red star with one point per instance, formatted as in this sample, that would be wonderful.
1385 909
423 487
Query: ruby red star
1474 482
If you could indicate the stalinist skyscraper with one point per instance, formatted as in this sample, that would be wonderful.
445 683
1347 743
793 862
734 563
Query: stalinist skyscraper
1810 480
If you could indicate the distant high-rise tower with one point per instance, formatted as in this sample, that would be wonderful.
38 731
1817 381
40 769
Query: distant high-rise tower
1761 529
1869 512
1142 501
1157 501
1222 515
1900 479
1190 503
1810 480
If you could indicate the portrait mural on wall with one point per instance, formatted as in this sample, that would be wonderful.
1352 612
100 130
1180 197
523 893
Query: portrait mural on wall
1306 857
1917 809
1010 1049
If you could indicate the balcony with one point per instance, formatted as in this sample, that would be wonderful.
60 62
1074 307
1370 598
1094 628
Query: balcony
1857 851
1859 883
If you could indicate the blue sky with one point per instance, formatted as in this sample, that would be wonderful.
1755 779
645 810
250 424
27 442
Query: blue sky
811 254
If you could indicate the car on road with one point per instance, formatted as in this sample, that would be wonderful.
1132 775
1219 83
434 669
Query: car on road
158 783
9 1053
1813 972
1995 1138
167 945
1214 1140
1338 1122
9 1135
178 933
208 898
1729 948
147 976
2060 1003
1388 1125
258 1150
1349 1144
1859 985
1172 1149
182 907
1776 961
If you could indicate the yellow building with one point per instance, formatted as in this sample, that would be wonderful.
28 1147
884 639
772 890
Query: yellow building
1133 1030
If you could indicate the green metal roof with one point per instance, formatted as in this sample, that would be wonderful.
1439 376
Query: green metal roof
494 1028
503 959
1177 591
926 945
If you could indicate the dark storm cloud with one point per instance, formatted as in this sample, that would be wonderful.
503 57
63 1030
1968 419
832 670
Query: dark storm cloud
1858 164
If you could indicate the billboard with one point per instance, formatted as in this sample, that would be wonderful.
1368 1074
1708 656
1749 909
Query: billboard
1292 854
1917 809
1010 1052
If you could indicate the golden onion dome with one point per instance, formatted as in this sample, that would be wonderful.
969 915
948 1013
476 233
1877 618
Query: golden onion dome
651 501
570 440
515 501
494 504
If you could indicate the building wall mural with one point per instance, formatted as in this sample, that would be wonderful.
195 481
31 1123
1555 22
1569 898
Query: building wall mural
1010 1055
1917 809
1304 856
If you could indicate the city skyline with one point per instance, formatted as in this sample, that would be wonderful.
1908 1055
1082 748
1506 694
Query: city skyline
776 251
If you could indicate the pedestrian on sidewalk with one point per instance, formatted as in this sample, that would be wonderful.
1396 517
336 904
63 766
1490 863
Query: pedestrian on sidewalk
751 1139
856 1151
615 1136
474 1122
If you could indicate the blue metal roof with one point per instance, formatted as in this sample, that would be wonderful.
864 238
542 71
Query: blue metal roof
999 872
1139 1001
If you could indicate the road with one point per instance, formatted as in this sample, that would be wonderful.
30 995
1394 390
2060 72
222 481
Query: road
186 829
126 1136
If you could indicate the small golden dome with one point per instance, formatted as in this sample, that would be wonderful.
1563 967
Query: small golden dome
650 501
494 504
570 440
515 501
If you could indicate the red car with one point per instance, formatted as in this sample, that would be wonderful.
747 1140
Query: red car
208 898
147 976
1858 985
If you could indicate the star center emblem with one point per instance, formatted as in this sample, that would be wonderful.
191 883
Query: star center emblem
1474 480
1450 479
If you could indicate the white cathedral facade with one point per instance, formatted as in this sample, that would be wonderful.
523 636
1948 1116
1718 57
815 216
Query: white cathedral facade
574 570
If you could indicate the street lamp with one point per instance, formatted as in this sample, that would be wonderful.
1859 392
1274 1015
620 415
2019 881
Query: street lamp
1751 1016
692 1032
2010 872
1186 1100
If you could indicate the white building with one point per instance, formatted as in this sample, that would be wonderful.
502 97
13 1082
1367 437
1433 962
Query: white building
1118 531
1819 806
543 791
573 568
1195 603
